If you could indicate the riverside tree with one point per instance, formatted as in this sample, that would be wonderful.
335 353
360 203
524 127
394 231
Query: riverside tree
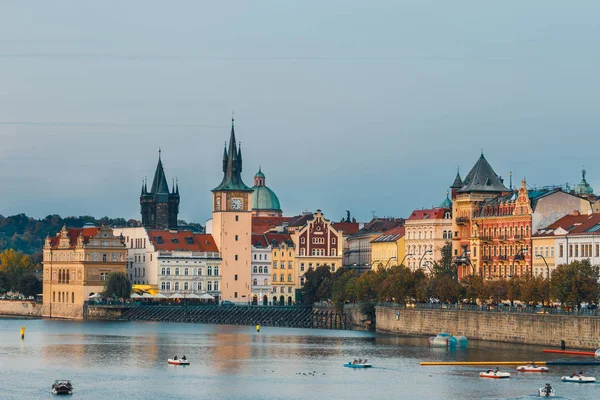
575 283
117 285
17 273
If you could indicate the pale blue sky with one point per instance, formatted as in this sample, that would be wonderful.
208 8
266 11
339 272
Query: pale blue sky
346 105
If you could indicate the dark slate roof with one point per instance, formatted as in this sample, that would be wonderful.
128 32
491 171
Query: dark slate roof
232 167
159 184
458 183
482 178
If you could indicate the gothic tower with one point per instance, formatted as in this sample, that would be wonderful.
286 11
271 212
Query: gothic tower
159 206
232 225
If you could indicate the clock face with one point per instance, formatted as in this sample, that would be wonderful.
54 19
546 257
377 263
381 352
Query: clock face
236 204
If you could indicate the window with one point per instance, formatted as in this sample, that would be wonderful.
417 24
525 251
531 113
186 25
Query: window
598 250
186 286
274 278
266 269
254 270
255 282
282 265
186 272
237 218
260 269
235 277
199 271
176 285
551 251
302 267
333 252
236 239
216 270
236 257
209 286
163 286
199 285
576 250
289 277
216 286
290 265
255 256
176 271
266 282
103 276
235 295
209 272
560 251
274 264
282 278
302 252
168 285
302 281
332 240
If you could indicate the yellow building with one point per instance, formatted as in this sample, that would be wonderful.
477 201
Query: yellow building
283 257
231 226
77 263
388 249
543 243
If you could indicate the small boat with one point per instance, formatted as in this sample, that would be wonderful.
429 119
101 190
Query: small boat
494 375
352 365
543 392
178 362
532 368
62 386
579 379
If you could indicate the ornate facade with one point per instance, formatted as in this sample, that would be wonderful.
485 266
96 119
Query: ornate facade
77 263
427 231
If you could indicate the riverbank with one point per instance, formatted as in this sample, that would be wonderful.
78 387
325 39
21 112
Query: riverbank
582 332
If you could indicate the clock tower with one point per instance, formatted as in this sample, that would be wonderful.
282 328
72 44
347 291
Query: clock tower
232 225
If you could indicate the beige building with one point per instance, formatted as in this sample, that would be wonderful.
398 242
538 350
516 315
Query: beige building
231 227
77 263
427 231
359 244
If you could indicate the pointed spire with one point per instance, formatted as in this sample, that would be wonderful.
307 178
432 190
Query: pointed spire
458 183
511 188
225 157
143 187
239 157
232 165
177 186
159 184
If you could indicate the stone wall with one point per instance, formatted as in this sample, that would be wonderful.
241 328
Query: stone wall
63 310
542 329
104 313
21 307
356 319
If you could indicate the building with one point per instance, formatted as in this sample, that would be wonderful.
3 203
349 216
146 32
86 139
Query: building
159 206
359 244
141 256
231 225
575 237
261 264
347 228
187 263
283 256
427 231
265 202
584 189
388 249
76 263
493 224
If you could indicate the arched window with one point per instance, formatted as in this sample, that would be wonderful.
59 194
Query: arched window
289 277
104 257
195 271
168 271
260 269
54 297
216 270
209 273
176 285
302 252
163 286
266 269
199 285
333 252
209 286
72 298
186 286
216 286
186 272
255 282
168 285
176 271
199 271
302 240
266 282
162 271
281 278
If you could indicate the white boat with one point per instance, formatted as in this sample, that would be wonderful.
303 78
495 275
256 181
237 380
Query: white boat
178 362
543 392
494 375
579 379
532 368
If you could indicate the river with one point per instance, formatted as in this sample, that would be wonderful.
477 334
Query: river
127 360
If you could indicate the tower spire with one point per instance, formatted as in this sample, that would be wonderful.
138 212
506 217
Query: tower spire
232 165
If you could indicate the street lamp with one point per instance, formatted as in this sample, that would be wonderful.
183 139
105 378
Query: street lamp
520 256
538 256
423 256
404 258
464 259
390 259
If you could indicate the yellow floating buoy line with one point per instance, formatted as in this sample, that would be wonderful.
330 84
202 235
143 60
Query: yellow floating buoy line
436 363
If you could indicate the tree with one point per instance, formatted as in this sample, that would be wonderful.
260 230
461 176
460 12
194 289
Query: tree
575 283
117 285
446 289
445 266
313 280
514 288
4 284
29 285
474 287
14 265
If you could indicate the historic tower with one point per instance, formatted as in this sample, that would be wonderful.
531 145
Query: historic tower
232 225
159 207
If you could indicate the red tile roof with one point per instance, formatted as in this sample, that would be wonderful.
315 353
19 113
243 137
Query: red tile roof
575 225
278 238
259 240
263 224
349 228
166 240
432 213
73 234
390 236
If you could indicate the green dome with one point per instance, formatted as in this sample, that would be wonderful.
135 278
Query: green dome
447 203
259 174
584 187
264 198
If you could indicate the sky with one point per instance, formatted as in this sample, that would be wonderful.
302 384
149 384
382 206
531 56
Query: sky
367 106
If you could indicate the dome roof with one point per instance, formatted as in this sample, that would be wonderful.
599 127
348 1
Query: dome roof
584 187
447 203
259 174
264 198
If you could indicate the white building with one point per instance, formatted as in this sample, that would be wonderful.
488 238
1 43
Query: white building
142 264
261 262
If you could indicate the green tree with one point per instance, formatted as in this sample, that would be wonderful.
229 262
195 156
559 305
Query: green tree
474 287
497 290
575 283
117 285
14 264
29 285
4 284
446 289
445 266
313 279
514 288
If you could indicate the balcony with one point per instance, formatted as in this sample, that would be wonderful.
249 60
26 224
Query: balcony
486 259
519 257
462 220
503 238
501 258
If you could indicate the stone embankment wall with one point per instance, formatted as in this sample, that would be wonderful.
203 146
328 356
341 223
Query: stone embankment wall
104 313
21 307
356 319
542 329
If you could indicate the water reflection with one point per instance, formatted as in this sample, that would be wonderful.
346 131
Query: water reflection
128 360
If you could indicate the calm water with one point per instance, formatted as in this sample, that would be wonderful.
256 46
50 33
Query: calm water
114 360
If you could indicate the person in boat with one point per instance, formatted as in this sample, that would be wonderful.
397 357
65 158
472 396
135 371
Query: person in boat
497 370
354 361
581 373
574 375
175 358
359 361
365 361
183 358
489 371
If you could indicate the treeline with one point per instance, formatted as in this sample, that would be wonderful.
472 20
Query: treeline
18 274
26 234
570 284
